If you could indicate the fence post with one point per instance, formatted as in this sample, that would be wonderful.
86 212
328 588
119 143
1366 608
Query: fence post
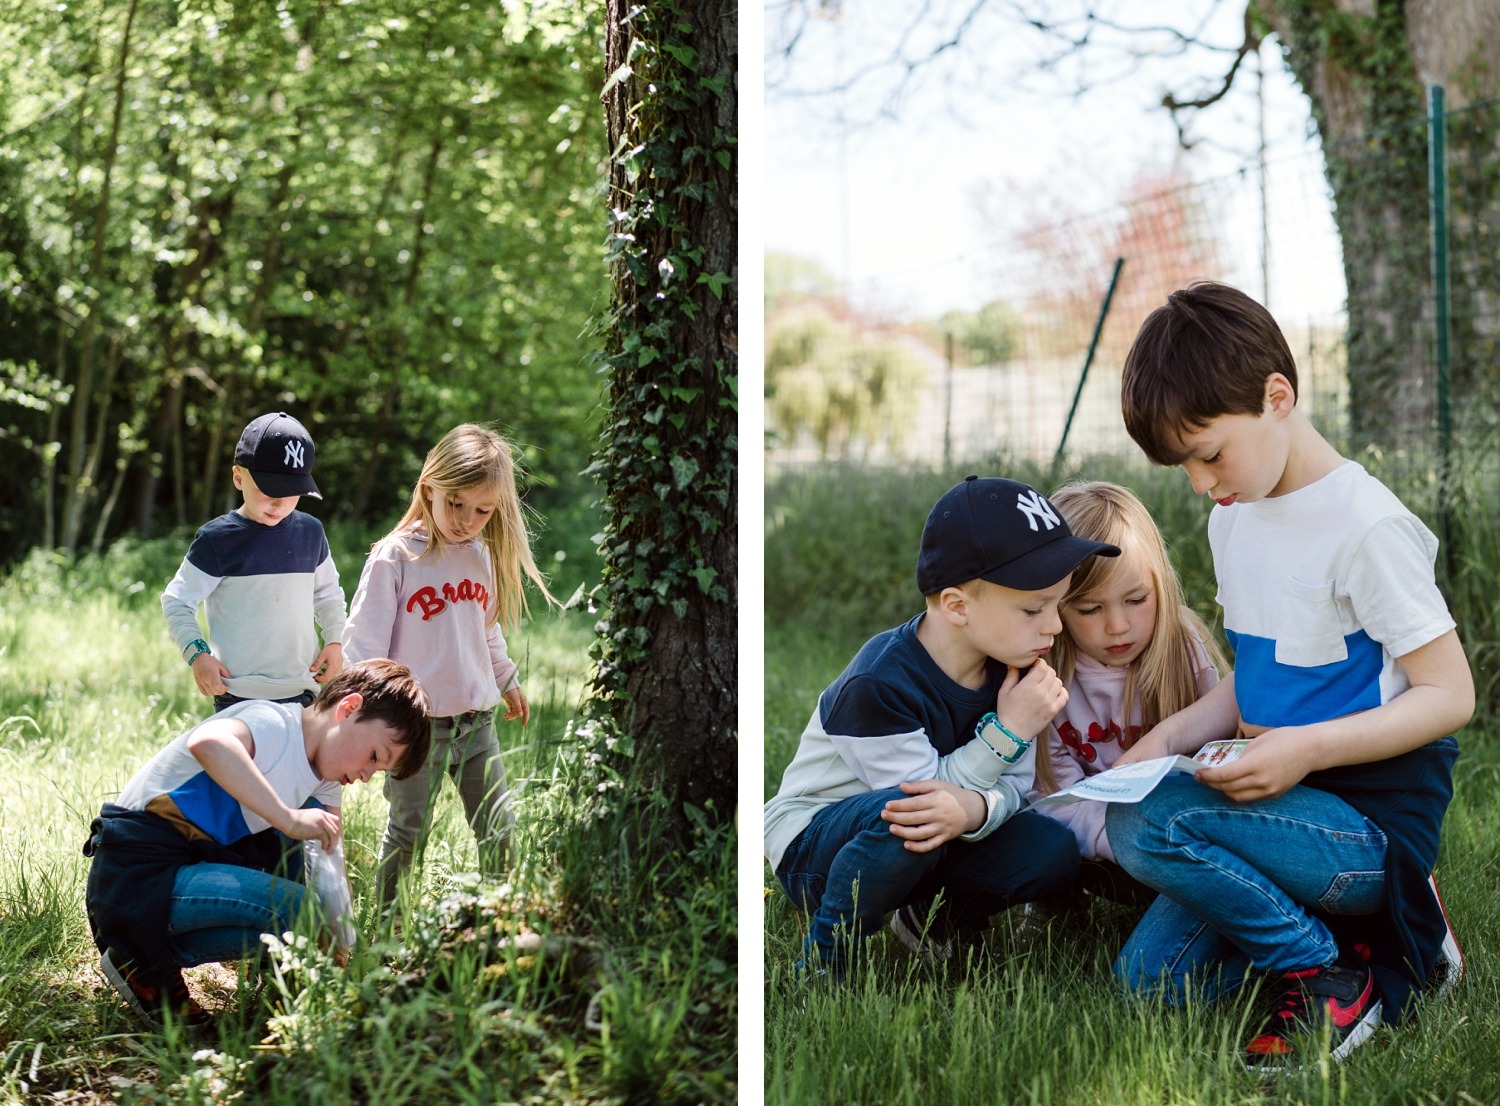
1088 360
1437 187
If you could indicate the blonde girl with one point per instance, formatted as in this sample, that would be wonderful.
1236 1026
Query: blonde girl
1130 654
434 594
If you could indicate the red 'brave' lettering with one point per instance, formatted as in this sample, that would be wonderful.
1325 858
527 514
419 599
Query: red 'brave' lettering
466 591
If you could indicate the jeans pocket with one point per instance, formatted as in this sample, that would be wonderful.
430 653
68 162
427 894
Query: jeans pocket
805 889
1354 893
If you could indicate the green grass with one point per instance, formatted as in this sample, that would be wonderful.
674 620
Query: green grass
629 997
1038 1019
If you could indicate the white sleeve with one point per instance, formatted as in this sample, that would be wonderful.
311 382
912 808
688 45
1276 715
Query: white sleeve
372 615
179 602
328 601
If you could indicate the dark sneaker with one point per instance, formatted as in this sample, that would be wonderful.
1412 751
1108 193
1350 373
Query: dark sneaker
151 1000
1449 969
1339 1001
911 927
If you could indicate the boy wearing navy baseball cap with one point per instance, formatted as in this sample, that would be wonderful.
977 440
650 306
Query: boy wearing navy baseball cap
905 793
265 575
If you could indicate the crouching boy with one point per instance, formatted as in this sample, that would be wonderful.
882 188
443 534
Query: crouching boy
186 859
905 793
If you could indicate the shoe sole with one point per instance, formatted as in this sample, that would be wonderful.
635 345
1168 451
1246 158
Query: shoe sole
1450 953
927 949
118 981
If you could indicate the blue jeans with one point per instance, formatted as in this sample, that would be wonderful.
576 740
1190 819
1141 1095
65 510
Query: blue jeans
219 911
1242 885
848 870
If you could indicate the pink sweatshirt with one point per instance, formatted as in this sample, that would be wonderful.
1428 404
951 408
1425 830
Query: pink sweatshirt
432 616
1088 736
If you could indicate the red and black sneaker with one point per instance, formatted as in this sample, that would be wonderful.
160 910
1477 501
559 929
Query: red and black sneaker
151 999
1339 1001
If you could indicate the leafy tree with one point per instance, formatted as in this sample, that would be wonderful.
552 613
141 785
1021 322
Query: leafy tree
381 218
1365 67
830 380
666 658
987 336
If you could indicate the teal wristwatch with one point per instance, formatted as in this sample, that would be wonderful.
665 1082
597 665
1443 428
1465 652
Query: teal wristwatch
1004 744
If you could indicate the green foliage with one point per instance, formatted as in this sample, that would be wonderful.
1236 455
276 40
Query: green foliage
990 335
828 381
486 993
380 218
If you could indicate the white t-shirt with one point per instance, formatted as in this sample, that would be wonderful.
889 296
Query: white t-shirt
1322 589
175 785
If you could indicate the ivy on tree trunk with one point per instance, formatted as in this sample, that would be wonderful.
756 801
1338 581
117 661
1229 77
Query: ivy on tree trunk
666 660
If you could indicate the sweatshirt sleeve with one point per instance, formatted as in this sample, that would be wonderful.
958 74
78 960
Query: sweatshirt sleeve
507 672
1085 819
372 615
180 601
328 599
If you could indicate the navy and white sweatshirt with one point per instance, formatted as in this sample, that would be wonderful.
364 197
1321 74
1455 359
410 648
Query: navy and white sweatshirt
894 716
264 587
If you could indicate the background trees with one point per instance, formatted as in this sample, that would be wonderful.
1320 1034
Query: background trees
385 219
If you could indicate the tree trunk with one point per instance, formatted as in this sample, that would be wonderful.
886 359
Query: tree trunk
77 483
1365 67
669 657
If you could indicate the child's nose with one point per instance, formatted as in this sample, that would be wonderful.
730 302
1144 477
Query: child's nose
1198 473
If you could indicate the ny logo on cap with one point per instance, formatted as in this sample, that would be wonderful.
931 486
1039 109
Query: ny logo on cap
293 460
1034 507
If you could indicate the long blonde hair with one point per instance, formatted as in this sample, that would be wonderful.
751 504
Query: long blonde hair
472 456
1164 678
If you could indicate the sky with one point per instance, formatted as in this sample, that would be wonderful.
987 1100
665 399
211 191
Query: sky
883 188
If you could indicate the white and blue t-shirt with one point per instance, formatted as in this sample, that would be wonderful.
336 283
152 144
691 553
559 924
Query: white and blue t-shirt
174 785
1322 590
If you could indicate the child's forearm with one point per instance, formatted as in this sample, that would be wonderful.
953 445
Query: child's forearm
1439 702
228 763
1214 717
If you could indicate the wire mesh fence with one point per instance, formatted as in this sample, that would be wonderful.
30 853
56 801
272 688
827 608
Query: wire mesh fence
1034 374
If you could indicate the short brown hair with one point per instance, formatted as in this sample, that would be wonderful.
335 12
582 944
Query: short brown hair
1206 352
391 695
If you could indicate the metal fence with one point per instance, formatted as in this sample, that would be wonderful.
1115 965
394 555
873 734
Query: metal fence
1036 375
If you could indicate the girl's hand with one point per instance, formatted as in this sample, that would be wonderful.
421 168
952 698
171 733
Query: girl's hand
209 674
516 706
1027 705
935 814
314 824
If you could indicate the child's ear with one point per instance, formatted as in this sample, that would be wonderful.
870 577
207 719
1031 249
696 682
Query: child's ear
239 480
1281 397
349 705
954 605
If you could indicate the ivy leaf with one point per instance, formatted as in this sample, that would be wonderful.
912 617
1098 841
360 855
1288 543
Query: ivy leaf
684 470
715 282
705 577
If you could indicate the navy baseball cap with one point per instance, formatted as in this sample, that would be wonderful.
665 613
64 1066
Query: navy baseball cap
1002 531
278 451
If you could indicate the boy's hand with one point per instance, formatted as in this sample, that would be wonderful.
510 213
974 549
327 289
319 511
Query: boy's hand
209 674
314 824
328 663
1026 705
1270 765
935 814
516 706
